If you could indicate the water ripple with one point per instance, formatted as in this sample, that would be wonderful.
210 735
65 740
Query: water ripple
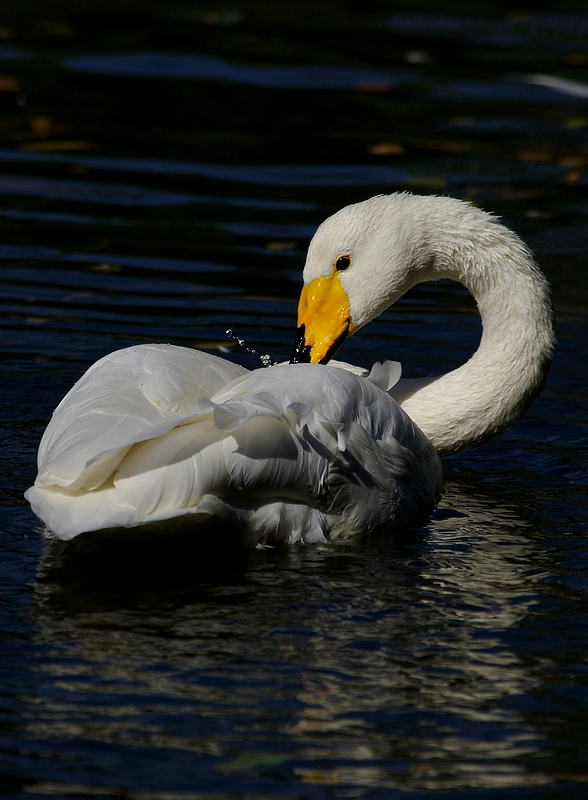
257 175
188 65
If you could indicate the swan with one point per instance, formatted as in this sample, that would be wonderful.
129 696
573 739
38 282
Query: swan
306 451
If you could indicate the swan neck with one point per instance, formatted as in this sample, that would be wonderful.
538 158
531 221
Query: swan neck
489 392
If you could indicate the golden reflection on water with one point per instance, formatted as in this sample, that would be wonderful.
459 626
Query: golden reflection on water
368 663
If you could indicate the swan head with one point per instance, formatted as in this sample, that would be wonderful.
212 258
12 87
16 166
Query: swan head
359 262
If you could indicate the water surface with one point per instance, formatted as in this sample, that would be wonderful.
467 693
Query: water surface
162 169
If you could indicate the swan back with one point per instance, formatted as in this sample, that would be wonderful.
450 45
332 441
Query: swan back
289 452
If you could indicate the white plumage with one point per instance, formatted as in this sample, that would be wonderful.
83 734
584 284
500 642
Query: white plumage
287 453
305 451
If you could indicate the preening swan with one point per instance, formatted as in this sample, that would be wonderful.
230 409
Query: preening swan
306 451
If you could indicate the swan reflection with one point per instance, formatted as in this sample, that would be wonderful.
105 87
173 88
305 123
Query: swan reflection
370 662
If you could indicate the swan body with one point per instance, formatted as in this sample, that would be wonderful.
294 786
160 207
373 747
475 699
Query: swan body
306 451
288 453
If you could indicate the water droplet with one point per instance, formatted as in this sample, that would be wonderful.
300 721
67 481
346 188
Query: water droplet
265 359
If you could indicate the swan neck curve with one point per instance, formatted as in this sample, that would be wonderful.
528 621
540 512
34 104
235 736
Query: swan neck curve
489 392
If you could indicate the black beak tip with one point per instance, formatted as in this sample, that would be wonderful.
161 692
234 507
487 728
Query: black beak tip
301 350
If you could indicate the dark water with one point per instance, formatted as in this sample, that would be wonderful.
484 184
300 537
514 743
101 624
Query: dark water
163 166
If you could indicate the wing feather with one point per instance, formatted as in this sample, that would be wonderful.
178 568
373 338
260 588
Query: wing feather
290 451
128 396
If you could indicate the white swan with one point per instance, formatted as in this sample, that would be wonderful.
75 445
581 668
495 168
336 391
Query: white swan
303 452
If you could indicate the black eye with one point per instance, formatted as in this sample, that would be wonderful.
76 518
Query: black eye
343 262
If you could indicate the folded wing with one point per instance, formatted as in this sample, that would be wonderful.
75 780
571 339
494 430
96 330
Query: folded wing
155 432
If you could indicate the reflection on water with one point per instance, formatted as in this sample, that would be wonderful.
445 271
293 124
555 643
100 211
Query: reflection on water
383 650
183 65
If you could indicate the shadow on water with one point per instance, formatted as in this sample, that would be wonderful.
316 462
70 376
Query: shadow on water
145 560
163 558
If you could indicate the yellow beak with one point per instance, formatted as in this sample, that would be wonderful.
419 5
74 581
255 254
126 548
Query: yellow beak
324 320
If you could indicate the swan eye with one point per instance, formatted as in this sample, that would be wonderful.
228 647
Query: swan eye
343 262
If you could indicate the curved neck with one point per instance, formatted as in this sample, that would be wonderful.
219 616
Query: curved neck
490 391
